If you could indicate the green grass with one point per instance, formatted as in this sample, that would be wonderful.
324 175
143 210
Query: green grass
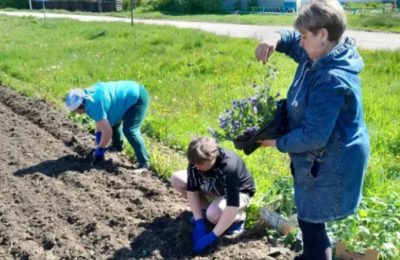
248 18
192 76
379 20
388 22
368 20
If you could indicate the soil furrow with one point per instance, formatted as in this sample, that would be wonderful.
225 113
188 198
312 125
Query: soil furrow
54 205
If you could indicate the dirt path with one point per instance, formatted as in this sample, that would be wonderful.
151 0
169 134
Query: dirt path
364 39
55 206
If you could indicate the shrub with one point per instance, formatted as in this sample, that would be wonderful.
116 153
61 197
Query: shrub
251 4
238 5
126 4
187 6
19 4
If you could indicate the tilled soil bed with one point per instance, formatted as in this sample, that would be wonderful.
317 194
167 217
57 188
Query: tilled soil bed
54 205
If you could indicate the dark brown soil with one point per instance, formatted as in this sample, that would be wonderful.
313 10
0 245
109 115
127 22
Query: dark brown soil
54 205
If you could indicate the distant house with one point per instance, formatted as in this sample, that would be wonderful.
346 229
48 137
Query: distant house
282 5
265 5
79 5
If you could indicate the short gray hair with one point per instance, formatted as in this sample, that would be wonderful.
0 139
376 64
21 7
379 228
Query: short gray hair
202 149
328 14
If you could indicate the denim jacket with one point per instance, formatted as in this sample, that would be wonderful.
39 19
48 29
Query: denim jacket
328 142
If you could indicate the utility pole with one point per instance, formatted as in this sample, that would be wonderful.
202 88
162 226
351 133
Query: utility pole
44 10
100 5
132 12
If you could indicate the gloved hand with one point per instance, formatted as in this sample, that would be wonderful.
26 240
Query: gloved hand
98 137
204 242
200 229
98 155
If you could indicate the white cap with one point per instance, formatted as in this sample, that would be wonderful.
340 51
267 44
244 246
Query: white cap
75 98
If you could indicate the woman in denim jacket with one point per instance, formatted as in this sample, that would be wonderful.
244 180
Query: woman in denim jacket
328 142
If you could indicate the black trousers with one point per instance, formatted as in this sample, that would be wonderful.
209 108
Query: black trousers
315 240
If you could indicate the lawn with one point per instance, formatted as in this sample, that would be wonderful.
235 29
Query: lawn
193 76
357 19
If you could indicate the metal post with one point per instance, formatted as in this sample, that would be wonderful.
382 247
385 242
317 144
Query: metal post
30 4
100 6
44 10
132 12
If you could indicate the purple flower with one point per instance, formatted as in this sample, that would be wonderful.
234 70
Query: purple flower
255 110
251 130
222 122
253 100
247 114
213 133
235 104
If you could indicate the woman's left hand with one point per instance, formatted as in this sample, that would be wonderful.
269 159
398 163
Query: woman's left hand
267 142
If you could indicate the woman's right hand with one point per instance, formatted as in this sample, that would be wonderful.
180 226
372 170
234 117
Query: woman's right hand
264 51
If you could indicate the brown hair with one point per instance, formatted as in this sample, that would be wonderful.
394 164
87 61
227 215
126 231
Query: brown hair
202 149
328 14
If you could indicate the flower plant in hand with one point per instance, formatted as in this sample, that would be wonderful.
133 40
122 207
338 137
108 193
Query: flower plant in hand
247 115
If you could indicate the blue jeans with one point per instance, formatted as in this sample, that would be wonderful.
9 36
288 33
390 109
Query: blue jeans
131 124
